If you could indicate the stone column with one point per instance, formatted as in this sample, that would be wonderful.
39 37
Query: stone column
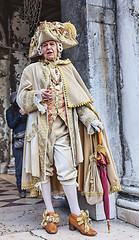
101 31
128 49
4 102
95 59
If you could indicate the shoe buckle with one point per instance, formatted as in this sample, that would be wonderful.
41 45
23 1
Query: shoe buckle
50 219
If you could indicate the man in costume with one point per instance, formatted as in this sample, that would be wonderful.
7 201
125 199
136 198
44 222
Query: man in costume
61 119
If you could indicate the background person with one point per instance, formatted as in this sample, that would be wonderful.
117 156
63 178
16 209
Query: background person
16 120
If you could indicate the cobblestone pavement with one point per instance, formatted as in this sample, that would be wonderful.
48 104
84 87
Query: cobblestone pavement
20 218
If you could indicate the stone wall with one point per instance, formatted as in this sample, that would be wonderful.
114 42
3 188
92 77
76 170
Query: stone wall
13 59
19 43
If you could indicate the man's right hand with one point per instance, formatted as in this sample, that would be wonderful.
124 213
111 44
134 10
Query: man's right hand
47 95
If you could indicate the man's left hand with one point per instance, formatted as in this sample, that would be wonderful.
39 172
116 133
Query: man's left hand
97 125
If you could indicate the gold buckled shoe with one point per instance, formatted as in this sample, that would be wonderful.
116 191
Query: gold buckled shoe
82 223
50 220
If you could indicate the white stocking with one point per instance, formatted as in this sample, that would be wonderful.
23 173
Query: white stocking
46 193
71 194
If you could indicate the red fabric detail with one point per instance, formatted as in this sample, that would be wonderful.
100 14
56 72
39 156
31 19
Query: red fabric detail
51 105
103 176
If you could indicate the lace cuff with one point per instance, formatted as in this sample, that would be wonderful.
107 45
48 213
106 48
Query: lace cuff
93 126
38 97
38 101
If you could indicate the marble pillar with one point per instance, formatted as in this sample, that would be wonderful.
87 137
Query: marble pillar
95 59
128 51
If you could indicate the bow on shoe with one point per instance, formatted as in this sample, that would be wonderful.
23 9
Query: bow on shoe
84 219
46 218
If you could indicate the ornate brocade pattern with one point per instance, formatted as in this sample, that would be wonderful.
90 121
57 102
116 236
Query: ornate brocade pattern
70 126
90 105
32 133
52 109
44 78
115 186
43 134
48 72
29 102
85 115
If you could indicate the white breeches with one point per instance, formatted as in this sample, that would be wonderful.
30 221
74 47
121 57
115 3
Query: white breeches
59 153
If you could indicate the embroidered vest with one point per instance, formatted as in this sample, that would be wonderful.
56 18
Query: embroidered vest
56 107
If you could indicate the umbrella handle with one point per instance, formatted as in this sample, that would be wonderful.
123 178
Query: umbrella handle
99 137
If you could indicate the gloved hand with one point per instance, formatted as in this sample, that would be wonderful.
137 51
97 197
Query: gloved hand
97 125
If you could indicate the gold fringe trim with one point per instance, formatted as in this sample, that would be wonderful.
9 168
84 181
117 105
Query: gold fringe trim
114 187
59 194
28 186
92 193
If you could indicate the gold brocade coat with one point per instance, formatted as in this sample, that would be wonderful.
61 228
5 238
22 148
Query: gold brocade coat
36 77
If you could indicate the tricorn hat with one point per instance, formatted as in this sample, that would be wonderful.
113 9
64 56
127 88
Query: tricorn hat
64 33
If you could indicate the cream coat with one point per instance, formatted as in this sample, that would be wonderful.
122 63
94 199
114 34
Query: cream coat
34 78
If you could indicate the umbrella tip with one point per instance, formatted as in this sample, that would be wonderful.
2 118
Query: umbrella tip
108 224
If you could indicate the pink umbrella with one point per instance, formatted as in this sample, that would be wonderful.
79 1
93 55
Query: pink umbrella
102 161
